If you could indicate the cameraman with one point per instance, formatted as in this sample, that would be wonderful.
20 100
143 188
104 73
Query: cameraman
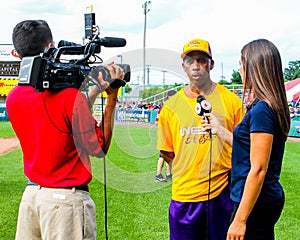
57 133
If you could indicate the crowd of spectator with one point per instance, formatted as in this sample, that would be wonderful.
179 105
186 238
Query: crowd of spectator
139 105
293 106
294 109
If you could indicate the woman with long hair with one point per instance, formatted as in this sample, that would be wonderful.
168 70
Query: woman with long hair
258 144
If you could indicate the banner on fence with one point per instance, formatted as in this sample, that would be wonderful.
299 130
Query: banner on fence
136 115
3 113
295 126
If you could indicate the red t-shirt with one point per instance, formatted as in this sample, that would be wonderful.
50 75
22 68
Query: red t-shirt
57 133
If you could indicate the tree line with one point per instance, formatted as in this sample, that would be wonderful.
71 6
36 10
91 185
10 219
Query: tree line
290 73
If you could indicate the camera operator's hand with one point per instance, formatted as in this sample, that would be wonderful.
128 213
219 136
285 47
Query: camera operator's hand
116 73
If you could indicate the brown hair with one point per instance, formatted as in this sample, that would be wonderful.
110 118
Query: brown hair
263 75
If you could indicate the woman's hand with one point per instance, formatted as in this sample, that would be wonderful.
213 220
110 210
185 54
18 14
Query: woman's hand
236 231
210 122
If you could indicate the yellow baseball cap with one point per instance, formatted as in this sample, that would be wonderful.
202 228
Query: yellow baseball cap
196 45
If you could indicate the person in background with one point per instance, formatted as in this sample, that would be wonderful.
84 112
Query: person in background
258 145
57 133
291 110
160 164
200 207
297 112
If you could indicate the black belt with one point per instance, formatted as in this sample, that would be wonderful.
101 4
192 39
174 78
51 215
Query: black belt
83 187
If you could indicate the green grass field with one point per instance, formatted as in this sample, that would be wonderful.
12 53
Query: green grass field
137 207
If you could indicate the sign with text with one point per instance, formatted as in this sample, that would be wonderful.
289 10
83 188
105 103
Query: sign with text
7 84
8 53
137 115
11 68
3 113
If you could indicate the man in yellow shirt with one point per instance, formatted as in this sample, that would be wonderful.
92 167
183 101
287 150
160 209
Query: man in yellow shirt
200 207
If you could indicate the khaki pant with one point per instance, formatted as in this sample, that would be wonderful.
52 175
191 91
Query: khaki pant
56 214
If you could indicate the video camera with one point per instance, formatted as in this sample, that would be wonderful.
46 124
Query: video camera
49 71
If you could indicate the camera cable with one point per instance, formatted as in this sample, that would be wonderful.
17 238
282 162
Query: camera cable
104 158
202 107
104 174
209 183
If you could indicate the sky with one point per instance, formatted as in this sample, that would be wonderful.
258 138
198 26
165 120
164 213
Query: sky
227 25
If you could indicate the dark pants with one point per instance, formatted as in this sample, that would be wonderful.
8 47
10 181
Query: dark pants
201 220
261 222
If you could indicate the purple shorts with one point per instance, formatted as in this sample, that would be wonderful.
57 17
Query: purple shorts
197 220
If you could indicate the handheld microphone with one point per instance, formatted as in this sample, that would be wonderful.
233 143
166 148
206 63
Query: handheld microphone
203 107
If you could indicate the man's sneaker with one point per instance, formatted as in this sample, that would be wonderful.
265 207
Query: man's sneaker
160 178
169 177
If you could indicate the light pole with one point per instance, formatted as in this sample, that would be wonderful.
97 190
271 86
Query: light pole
121 58
164 79
222 77
146 10
123 88
148 73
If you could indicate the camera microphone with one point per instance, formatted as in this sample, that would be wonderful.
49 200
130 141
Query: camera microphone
112 42
105 42
72 48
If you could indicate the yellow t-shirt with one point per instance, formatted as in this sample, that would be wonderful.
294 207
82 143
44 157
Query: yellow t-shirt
180 131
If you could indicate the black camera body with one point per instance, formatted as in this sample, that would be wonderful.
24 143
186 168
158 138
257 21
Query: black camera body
49 71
